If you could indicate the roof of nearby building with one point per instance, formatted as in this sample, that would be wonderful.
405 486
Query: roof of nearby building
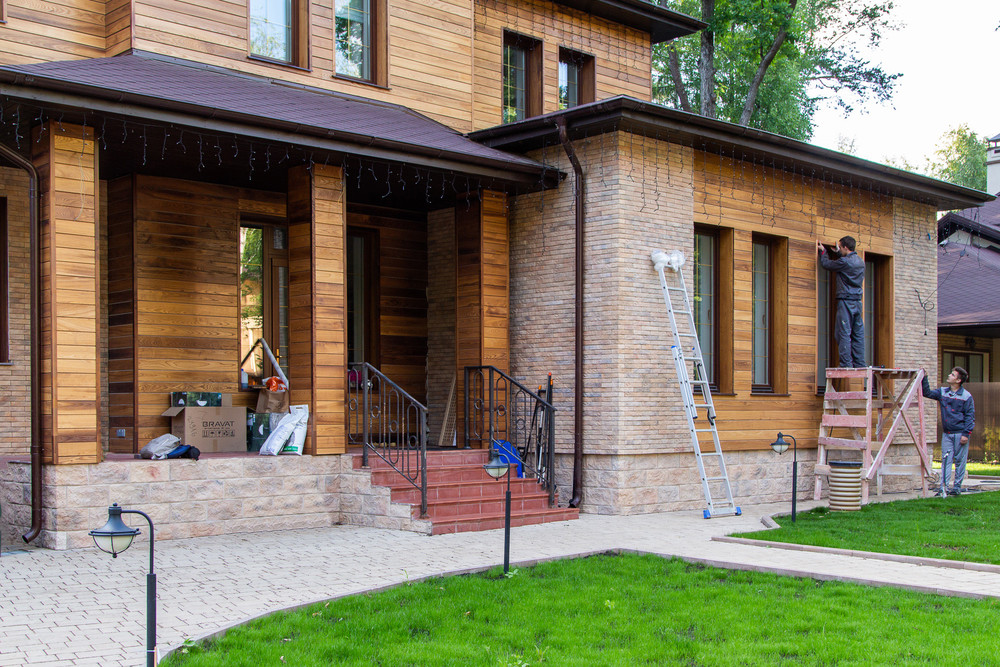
744 143
979 220
968 277
142 86
661 24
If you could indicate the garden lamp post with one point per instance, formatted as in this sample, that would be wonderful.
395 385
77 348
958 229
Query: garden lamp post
115 537
496 468
781 446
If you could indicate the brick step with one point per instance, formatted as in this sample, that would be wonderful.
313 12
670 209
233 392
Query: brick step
407 493
446 509
493 521
435 459
436 475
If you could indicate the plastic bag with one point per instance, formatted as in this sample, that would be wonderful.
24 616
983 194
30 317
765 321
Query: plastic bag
159 447
297 443
275 383
281 433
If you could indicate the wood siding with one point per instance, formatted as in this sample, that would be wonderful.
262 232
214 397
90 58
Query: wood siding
38 30
121 316
66 159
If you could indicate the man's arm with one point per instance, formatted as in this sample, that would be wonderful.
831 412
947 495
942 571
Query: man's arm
928 392
970 418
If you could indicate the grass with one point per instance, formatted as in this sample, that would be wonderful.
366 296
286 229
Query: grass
957 528
616 610
975 468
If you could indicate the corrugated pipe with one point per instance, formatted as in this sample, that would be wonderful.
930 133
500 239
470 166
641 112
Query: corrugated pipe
35 347
578 356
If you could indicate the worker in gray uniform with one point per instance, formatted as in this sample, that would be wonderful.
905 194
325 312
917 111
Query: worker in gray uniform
850 326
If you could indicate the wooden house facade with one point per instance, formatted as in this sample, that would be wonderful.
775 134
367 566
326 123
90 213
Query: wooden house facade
412 168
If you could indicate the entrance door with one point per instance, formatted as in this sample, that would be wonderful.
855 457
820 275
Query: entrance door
362 296
263 296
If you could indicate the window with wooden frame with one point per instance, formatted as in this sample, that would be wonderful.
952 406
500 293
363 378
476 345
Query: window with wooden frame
360 40
878 313
977 364
576 78
712 301
263 296
278 31
522 77
769 326
362 296
4 285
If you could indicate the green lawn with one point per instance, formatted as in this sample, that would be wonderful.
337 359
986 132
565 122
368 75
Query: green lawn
617 610
972 468
957 527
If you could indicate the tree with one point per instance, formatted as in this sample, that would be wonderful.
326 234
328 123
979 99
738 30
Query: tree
961 158
769 63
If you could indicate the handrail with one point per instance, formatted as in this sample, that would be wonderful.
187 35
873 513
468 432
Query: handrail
384 418
499 408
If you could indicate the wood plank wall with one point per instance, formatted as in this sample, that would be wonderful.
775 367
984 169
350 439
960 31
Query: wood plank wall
402 289
117 26
121 315
744 200
66 158
52 30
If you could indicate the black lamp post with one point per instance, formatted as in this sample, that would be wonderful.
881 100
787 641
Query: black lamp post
496 468
781 446
115 537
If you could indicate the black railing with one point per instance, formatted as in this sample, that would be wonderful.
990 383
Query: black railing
384 419
500 409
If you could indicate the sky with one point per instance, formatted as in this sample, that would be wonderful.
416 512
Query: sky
948 52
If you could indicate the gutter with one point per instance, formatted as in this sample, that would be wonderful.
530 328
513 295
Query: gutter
581 216
35 335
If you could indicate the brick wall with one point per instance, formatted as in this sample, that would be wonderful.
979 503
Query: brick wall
15 397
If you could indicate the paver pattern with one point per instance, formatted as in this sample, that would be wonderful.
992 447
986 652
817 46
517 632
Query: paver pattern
82 607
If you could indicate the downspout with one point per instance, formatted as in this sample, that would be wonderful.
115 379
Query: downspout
35 346
578 350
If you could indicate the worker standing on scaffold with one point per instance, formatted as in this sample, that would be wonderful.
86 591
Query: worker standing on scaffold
850 327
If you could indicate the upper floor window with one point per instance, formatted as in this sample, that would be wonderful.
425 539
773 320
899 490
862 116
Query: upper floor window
576 78
353 38
272 29
522 80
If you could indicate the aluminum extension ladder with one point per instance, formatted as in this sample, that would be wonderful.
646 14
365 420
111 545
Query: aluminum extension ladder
719 480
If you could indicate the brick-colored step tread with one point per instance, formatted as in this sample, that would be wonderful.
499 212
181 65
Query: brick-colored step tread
477 522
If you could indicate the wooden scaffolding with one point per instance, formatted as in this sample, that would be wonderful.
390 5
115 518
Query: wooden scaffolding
872 414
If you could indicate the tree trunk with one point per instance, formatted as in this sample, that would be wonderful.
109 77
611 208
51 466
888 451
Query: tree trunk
758 78
673 63
706 60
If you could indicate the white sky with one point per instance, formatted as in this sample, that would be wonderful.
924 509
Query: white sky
948 52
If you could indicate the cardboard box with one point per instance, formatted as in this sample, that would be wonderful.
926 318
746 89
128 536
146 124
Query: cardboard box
201 399
216 429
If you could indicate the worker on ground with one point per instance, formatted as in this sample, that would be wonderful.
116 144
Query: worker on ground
958 417
850 326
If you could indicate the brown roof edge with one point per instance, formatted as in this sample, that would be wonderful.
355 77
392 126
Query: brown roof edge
662 24
653 120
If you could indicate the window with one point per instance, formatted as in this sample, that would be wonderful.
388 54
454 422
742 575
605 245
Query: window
769 303
275 27
878 310
353 37
4 285
705 292
576 78
825 318
362 296
522 88
976 363
712 302
263 296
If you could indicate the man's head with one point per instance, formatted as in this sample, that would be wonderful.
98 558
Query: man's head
846 245
958 375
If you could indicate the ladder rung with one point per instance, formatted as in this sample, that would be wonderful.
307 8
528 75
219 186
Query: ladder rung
711 454
714 479
704 430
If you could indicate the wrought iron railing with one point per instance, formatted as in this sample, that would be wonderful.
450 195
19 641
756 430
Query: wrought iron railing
498 408
384 419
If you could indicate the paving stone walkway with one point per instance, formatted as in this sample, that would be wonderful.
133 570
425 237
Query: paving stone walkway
84 608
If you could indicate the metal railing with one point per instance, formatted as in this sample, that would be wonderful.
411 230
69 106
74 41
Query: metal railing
384 419
499 408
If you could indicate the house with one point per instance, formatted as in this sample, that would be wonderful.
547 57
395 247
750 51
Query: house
463 196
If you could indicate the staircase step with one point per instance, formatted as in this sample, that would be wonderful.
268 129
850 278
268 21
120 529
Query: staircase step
434 459
471 491
475 522
435 475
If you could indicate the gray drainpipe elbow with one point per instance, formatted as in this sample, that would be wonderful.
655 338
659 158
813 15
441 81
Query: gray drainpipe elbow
580 208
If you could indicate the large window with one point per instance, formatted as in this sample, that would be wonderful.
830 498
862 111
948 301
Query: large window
263 292
4 285
769 317
354 36
976 363
275 30
522 86
705 292
576 78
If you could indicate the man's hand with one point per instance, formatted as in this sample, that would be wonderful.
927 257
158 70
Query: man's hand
964 440
820 248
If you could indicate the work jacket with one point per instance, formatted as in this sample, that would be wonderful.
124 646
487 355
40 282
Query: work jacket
958 410
850 270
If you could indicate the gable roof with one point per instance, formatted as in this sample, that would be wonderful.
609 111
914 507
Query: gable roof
147 86
967 286
979 220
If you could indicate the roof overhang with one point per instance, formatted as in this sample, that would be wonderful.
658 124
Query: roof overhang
743 143
661 24
81 97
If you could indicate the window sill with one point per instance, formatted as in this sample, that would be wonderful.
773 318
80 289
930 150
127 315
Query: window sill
769 393
279 63
363 82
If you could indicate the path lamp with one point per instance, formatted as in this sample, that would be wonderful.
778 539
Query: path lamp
496 468
781 446
115 537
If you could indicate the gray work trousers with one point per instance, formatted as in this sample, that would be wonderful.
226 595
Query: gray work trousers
850 334
953 451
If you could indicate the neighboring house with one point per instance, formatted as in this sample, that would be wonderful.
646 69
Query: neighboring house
419 176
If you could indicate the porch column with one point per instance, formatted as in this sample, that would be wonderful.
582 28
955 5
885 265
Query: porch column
317 265
66 159
482 290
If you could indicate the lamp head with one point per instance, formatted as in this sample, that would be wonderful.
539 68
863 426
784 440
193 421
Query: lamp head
114 537
496 467
780 445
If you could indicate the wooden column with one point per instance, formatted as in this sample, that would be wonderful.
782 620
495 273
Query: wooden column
482 289
66 159
318 303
